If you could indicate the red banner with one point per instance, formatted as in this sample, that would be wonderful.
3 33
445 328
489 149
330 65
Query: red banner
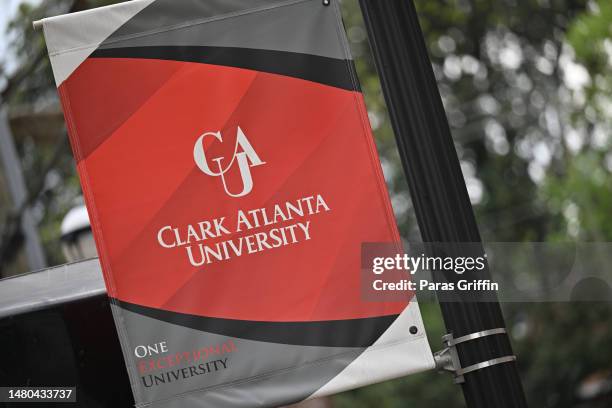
231 178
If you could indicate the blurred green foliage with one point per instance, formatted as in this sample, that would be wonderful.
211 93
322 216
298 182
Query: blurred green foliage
526 90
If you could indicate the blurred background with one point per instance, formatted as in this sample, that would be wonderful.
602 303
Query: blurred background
527 87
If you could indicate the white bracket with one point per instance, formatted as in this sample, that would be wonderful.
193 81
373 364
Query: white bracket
447 359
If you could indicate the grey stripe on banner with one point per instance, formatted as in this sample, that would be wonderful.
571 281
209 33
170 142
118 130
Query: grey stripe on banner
255 373
306 27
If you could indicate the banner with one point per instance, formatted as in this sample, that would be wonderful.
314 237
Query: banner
231 178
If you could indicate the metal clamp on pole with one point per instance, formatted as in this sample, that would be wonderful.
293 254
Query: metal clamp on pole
447 359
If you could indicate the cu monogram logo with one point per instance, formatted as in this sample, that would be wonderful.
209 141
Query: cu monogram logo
244 156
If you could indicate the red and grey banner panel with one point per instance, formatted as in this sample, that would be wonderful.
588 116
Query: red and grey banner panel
231 177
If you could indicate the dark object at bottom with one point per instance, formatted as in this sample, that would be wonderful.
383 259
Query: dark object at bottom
70 344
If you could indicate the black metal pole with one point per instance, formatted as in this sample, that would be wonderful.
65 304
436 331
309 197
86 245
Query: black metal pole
439 195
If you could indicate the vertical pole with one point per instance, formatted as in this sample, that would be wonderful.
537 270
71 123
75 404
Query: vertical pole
439 195
18 191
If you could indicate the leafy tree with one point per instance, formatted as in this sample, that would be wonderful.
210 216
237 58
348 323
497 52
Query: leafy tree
525 87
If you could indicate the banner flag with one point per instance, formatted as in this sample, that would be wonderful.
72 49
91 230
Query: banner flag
231 177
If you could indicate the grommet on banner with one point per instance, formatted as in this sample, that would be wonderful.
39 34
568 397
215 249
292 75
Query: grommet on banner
326 2
447 359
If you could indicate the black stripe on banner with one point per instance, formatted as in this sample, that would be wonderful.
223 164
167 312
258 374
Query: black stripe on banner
329 333
328 71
